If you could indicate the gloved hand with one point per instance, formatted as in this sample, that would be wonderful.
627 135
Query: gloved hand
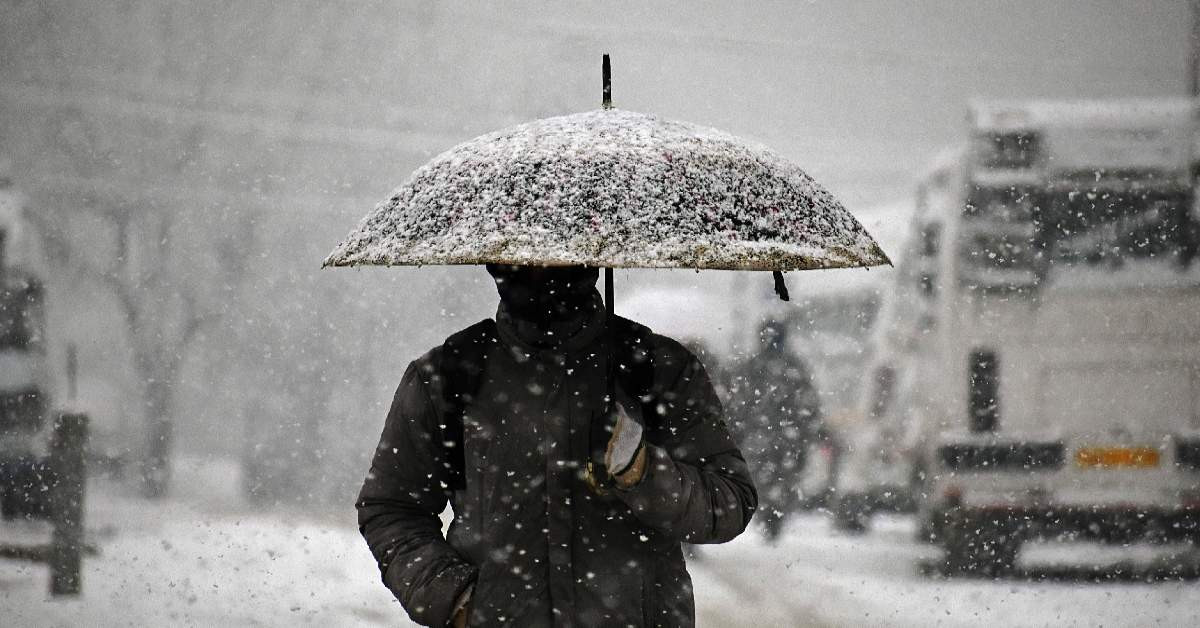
625 456
462 609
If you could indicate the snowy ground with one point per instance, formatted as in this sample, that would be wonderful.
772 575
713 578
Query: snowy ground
821 578
207 560
204 559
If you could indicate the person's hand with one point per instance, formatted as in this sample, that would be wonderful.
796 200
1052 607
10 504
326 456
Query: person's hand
462 609
625 456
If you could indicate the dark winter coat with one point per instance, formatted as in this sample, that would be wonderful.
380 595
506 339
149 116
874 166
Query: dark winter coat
540 548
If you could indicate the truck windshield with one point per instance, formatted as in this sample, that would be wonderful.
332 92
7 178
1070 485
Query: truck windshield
998 233
1092 226
1012 203
1023 228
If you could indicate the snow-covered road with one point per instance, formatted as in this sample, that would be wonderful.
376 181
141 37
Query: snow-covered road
213 562
818 577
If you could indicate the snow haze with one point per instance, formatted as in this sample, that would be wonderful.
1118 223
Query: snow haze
173 174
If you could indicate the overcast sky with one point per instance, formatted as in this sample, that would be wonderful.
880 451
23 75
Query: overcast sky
862 92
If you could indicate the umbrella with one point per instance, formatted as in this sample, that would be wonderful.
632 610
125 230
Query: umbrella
611 189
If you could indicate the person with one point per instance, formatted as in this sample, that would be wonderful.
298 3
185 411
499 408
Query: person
777 417
555 523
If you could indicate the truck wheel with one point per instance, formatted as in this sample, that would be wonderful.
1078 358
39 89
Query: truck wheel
851 514
979 545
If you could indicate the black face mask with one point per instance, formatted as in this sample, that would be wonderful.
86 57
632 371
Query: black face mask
545 293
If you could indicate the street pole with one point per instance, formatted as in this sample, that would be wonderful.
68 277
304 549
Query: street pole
68 468
1194 51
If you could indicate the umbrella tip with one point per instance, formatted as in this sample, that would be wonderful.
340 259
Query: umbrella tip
606 73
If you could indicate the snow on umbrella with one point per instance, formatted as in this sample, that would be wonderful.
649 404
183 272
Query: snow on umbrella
611 188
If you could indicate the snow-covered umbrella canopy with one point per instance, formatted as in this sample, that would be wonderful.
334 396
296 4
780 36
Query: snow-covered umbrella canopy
615 189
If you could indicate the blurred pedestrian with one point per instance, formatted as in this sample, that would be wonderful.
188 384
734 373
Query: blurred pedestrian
777 418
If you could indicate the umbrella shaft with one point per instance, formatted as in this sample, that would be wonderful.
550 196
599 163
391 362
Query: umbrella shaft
609 340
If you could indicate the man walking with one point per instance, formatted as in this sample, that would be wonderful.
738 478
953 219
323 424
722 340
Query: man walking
565 514
778 414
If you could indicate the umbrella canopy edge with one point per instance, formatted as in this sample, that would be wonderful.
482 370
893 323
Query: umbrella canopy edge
613 189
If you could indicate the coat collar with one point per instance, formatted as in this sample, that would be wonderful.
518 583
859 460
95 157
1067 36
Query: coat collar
567 336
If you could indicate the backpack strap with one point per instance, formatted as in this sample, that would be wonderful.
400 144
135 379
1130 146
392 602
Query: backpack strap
461 367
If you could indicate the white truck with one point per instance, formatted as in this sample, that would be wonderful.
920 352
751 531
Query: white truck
24 376
1037 364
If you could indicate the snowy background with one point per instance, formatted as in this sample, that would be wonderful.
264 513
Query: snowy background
184 168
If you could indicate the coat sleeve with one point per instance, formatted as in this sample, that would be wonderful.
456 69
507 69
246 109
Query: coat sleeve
696 487
399 504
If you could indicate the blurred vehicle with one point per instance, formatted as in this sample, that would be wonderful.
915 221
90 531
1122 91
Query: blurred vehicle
880 471
878 474
1037 363
24 377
